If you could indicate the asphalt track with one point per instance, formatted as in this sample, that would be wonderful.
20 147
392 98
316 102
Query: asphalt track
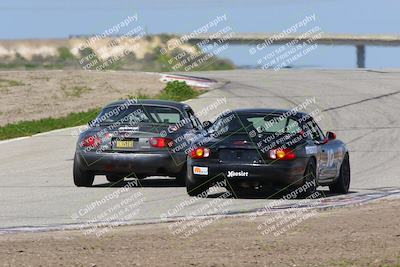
361 106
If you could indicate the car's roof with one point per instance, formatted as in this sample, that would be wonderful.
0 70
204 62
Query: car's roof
267 110
169 103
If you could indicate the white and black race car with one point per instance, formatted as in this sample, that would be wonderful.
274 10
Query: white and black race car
259 148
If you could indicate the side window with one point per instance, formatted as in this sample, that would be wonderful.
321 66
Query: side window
319 131
195 121
314 130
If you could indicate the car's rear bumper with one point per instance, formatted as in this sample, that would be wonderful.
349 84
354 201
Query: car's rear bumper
148 163
278 173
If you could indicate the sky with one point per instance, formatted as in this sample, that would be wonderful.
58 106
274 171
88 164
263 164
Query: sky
21 19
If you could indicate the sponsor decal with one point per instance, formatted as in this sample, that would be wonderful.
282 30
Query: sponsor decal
311 149
200 170
331 158
237 174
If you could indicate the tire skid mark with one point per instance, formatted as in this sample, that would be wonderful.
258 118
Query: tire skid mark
362 101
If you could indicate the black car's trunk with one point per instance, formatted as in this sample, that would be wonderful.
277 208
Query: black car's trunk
240 148
239 155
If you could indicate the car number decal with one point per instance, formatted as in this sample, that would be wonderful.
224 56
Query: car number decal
311 149
331 158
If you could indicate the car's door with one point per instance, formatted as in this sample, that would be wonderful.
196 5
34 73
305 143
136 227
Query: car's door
323 149
335 157
333 150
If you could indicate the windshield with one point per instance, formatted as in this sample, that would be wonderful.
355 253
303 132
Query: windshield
139 113
260 122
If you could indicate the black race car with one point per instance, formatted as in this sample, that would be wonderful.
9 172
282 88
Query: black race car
265 148
136 138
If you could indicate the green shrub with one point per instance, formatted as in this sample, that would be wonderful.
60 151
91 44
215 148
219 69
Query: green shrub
178 91
64 54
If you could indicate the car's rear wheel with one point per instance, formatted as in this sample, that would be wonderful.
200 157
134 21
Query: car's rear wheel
342 183
81 177
180 177
310 180
114 179
197 189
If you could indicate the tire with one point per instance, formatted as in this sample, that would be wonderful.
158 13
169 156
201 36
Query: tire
180 178
342 183
195 189
114 179
310 175
81 177
235 190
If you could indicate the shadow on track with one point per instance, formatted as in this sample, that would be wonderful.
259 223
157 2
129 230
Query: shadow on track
245 194
151 182
271 194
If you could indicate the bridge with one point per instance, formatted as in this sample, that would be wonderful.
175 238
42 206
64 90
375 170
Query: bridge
359 41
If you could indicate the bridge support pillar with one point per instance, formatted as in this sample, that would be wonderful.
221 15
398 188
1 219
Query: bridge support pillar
360 56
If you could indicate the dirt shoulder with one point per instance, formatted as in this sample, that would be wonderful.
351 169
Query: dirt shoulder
367 235
29 95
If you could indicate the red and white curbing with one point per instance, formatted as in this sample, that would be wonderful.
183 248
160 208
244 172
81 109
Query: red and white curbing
190 80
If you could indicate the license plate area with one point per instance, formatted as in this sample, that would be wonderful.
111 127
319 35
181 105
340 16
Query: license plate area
123 143
239 155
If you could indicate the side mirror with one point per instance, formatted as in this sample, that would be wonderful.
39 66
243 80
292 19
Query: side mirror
206 124
330 135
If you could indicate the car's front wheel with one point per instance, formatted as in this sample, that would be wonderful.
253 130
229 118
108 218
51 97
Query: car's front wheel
342 183
81 177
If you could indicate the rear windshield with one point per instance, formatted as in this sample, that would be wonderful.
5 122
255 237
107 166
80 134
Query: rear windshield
261 123
139 113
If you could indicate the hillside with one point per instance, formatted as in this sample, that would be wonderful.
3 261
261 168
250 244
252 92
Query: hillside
140 52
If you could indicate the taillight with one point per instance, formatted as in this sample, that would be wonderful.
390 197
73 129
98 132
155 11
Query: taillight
282 154
200 152
161 142
91 141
